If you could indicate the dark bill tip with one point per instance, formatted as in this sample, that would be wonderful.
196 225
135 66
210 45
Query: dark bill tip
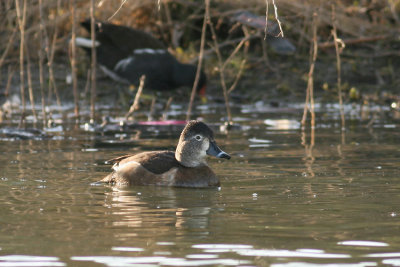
215 151
223 155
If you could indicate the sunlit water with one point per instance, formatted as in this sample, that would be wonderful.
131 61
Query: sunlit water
287 199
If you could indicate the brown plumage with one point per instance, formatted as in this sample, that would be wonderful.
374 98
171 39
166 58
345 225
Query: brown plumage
186 167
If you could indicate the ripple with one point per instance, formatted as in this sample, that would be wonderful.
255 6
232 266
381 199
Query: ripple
320 254
363 243
27 260
222 246
134 261
383 255
127 249
305 264
394 262
202 256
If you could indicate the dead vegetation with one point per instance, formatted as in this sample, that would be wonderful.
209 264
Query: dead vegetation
235 51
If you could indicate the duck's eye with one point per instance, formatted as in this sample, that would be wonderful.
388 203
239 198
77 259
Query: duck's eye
198 137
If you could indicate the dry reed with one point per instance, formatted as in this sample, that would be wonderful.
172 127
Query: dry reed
200 62
309 103
21 23
73 58
338 50
135 104
93 62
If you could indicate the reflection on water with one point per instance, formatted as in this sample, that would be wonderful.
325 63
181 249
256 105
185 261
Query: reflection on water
288 198
24 260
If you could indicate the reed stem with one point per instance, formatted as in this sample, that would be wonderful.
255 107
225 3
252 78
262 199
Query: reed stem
73 59
200 62
338 50
21 23
93 62
135 103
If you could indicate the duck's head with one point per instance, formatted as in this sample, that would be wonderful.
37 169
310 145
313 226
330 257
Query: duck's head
195 143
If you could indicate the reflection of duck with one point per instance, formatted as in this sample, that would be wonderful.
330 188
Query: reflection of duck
155 207
125 54
186 167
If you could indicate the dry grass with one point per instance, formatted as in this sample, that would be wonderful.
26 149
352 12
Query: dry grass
369 29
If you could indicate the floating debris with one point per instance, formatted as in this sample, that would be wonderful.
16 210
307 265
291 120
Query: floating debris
23 134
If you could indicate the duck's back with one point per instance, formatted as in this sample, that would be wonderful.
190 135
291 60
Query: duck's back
154 161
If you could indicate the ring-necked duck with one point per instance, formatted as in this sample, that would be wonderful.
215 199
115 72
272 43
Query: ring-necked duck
125 54
186 167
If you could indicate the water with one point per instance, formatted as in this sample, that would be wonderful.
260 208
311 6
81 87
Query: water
283 202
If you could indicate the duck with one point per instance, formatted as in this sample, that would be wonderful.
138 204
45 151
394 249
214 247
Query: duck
125 54
184 167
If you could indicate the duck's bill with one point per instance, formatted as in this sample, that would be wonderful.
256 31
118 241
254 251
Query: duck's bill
215 151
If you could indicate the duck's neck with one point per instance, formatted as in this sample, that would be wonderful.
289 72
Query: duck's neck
184 155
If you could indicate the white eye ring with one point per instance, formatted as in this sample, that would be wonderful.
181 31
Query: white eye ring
198 137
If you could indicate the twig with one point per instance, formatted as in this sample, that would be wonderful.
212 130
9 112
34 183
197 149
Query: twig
243 63
165 114
355 41
21 22
50 58
338 41
73 59
93 63
9 44
30 87
152 106
135 103
116 12
310 82
266 18
228 60
170 24
228 43
87 83
200 62
221 65
41 74
392 7
10 74
277 19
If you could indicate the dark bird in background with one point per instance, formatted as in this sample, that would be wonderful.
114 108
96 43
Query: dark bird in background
125 54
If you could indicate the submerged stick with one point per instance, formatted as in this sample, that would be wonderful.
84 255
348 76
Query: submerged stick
200 62
93 63
135 103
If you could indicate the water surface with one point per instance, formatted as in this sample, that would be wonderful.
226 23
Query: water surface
286 199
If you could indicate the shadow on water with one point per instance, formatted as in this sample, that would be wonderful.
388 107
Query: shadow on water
288 197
